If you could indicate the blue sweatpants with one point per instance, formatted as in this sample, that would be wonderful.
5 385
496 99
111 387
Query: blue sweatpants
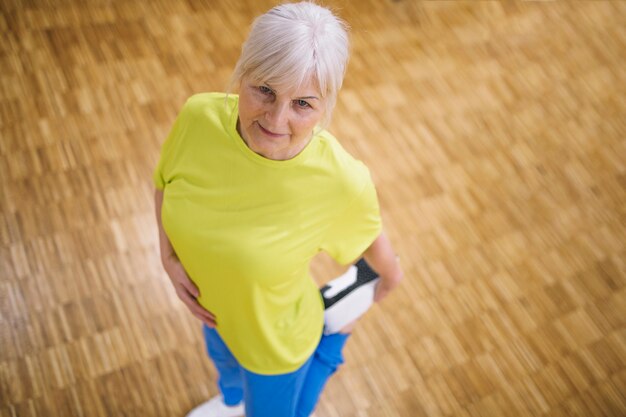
286 395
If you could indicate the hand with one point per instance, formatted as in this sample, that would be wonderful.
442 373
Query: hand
383 288
187 290
348 328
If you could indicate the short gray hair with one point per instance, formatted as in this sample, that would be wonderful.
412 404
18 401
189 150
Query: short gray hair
293 42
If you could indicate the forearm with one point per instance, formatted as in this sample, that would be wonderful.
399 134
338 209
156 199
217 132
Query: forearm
381 257
186 290
165 245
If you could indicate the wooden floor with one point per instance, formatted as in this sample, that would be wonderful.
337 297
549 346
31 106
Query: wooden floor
496 135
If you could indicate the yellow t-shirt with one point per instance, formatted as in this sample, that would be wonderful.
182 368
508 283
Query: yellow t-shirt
246 227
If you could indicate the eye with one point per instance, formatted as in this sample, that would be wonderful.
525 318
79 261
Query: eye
303 104
265 89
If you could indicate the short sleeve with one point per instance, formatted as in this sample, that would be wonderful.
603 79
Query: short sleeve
169 148
354 230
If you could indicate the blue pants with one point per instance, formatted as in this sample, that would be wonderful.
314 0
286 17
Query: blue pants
286 395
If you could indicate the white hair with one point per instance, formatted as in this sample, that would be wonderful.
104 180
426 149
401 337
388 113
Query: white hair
293 43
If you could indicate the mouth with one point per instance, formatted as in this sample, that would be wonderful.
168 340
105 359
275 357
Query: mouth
269 132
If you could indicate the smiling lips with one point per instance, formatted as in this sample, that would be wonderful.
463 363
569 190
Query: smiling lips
269 132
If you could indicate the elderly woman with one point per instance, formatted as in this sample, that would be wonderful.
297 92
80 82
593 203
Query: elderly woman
250 188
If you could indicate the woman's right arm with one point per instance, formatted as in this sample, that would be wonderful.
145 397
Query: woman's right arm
184 286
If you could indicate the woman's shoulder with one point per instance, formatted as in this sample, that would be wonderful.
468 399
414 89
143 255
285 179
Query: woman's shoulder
333 151
200 102
214 108
346 168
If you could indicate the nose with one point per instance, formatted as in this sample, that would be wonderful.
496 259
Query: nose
276 116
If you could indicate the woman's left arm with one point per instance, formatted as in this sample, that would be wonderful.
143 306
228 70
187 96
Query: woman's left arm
381 257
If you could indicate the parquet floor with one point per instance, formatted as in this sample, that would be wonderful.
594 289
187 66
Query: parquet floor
496 135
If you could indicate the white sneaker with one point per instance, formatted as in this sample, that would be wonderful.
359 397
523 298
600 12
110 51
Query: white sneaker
215 407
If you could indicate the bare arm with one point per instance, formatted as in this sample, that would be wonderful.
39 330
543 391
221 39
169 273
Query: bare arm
382 259
184 286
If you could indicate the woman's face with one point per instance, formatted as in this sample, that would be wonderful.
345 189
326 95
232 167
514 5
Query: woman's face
277 123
